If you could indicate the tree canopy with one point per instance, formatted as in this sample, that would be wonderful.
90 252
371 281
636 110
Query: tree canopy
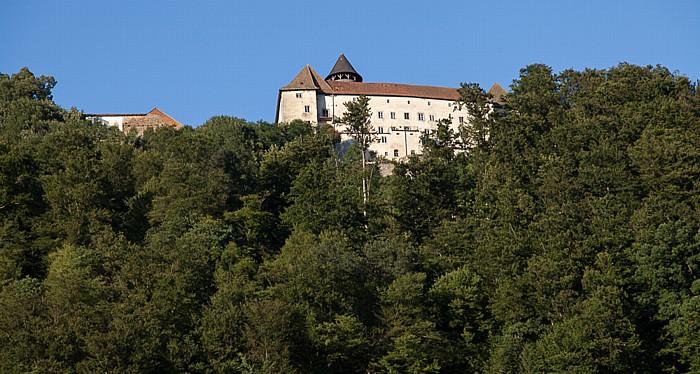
559 233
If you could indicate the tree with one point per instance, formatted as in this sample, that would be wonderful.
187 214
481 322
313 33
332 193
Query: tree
358 124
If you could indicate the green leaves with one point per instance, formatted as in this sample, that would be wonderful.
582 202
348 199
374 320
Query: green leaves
559 234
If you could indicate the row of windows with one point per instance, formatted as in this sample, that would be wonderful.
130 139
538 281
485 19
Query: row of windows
298 95
407 116
380 130
409 101
307 109
396 153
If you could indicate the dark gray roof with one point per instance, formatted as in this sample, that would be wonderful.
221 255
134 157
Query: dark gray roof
343 66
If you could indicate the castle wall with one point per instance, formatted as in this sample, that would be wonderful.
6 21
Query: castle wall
398 136
293 107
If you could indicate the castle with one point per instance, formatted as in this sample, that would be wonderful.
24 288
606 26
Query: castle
401 113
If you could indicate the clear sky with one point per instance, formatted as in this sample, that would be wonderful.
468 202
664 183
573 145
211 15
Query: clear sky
197 59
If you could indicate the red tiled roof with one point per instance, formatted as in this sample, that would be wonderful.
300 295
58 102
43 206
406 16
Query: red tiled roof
393 89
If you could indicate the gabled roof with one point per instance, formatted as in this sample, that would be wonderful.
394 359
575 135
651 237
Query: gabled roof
497 92
393 89
307 79
343 66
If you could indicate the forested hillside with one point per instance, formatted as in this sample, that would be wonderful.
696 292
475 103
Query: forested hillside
566 240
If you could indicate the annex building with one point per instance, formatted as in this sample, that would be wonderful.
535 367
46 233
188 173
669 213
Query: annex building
154 119
401 113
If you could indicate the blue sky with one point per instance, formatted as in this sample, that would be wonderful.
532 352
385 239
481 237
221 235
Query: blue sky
197 59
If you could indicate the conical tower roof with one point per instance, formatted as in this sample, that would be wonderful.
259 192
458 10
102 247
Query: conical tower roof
343 71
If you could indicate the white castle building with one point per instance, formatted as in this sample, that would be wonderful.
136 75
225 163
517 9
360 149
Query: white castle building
401 113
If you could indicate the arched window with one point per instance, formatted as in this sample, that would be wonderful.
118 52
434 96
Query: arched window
396 153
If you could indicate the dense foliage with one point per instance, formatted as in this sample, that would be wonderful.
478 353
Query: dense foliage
566 239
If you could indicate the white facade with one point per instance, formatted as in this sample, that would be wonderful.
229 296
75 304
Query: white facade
399 121
107 120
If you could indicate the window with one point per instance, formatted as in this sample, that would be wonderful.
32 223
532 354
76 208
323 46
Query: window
380 115
386 153
383 139
432 118
380 130
325 112
421 117
413 152
396 153
298 95
427 131
461 119
387 101
428 103
307 108
393 115
406 116
409 101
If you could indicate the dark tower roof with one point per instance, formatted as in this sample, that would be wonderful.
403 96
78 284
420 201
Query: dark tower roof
343 71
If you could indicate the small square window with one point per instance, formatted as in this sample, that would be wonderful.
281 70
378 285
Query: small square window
406 116
386 153
413 152
421 117
380 115
393 115
307 108
298 94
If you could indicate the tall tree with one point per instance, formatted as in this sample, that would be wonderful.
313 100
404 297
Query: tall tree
358 122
